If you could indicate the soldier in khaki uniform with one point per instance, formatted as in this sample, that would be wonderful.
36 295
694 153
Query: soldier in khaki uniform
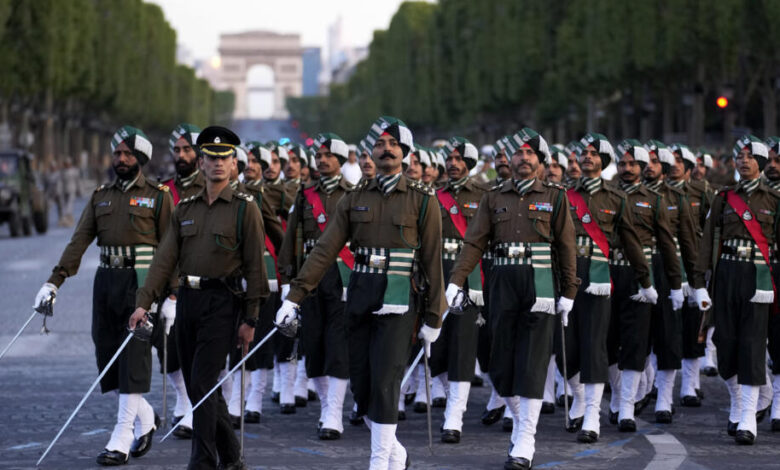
323 330
215 242
129 218
628 342
772 179
392 224
525 223
601 220
746 216
367 166
456 351
555 167
187 182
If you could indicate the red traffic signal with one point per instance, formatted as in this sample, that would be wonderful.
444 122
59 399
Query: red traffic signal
722 102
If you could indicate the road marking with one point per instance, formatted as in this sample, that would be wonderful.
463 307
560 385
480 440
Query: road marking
94 431
308 451
669 452
25 446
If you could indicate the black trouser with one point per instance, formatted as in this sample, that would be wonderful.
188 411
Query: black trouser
455 352
484 333
173 355
206 333
113 301
691 323
666 324
586 335
522 340
628 343
284 347
264 357
740 325
774 326
379 346
323 329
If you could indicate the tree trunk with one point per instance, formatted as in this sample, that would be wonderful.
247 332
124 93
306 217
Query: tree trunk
769 100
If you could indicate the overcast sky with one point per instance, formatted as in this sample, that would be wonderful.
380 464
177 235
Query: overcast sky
198 23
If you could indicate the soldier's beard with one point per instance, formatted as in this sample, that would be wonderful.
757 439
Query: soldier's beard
184 168
124 172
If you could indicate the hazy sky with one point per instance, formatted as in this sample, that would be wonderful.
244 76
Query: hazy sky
198 23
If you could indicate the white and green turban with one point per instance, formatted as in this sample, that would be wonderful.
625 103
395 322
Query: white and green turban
189 132
393 126
136 140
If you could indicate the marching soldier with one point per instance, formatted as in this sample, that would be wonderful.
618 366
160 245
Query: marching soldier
456 351
129 218
525 223
323 331
391 223
215 243
746 216
628 343
187 182
601 220
367 166
772 179
699 195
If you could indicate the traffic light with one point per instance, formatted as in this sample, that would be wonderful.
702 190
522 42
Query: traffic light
722 102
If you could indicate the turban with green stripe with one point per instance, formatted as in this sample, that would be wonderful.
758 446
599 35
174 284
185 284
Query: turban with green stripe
136 140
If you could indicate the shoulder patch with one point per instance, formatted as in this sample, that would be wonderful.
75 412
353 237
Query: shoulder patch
245 196
188 199
552 184
419 187
163 187
101 187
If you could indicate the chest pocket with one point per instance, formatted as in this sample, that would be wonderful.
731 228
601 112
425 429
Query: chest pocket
500 217
407 228
361 216
767 225
540 221
142 219
189 230
606 221
102 221
673 214
643 217
225 237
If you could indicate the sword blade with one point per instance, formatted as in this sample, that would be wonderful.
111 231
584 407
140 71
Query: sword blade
221 381
18 334
83 400
418 357
565 377
165 380
428 400
241 417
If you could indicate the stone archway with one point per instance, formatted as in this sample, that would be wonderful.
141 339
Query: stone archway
281 52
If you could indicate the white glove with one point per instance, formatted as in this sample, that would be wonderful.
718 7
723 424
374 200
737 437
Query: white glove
564 307
286 312
703 299
451 293
677 299
285 291
646 295
168 314
47 290
429 335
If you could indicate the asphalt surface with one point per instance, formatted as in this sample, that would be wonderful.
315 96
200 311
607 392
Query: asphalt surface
43 377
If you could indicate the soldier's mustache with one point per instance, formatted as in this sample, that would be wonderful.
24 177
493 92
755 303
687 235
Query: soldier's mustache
386 155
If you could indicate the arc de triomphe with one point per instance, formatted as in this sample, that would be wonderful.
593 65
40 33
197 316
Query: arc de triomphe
239 52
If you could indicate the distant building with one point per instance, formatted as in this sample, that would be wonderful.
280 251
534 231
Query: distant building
312 67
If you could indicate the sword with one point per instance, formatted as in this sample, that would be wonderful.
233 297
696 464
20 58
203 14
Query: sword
223 379
165 380
141 330
428 399
565 377
419 356
241 418
18 334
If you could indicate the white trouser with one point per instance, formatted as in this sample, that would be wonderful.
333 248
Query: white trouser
301 381
334 404
749 405
419 395
549 382
321 386
735 399
593 394
525 416
559 390
235 407
614 383
439 386
286 383
183 404
495 400
765 393
776 393
689 377
258 379
386 452
276 383
577 391
629 382
664 382
122 435
710 351
456 405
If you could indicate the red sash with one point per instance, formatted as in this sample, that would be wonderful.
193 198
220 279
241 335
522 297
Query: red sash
318 210
172 186
593 229
447 200
753 228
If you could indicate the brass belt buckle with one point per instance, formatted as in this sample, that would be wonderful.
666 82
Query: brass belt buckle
116 261
583 250
450 247
515 252
193 282
744 251
376 261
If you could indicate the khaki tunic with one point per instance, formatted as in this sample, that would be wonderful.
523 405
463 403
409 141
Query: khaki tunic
302 211
367 218
504 216
682 225
700 197
192 189
763 203
111 218
271 225
652 226
608 209
468 199
203 241
279 198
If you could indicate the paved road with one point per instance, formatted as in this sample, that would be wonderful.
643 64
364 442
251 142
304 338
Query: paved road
43 378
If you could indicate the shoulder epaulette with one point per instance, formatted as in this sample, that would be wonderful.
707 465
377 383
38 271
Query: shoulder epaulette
101 187
552 184
245 196
420 187
188 199
163 187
